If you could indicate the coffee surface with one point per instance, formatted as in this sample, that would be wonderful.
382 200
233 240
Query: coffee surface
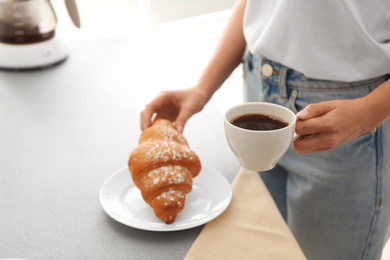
258 122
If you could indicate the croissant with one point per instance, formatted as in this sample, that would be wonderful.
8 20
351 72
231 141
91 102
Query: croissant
162 168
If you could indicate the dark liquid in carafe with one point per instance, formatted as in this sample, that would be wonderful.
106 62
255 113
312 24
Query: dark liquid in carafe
26 35
258 122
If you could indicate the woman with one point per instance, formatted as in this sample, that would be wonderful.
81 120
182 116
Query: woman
329 61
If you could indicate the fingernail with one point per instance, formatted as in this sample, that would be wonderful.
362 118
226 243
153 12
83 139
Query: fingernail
179 128
303 114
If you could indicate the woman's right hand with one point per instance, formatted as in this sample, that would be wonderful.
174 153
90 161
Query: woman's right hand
177 106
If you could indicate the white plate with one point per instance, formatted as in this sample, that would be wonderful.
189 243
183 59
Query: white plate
121 199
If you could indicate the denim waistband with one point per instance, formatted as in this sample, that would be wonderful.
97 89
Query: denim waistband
297 80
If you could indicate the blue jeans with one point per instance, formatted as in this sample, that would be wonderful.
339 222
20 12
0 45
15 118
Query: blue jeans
336 203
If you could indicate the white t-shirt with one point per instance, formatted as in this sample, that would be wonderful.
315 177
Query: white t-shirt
346 40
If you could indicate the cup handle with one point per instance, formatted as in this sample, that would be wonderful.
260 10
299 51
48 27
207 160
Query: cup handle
295 137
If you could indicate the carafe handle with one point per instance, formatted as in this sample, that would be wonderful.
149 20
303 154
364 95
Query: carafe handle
73 12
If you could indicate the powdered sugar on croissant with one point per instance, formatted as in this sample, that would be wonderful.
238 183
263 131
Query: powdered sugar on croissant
162 167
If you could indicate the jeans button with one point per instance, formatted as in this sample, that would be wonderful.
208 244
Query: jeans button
267 70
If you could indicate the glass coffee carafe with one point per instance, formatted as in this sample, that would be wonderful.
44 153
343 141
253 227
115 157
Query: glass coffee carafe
26 21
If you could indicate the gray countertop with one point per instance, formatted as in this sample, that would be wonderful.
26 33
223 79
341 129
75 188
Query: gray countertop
65 130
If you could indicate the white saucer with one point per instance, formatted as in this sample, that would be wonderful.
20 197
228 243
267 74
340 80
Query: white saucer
210 196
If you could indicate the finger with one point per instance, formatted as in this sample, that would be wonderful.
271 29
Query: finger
315 110
182 119
148 112
146 118
314 143
305 145
309 126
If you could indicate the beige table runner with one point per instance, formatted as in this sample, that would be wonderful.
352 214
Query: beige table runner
251 228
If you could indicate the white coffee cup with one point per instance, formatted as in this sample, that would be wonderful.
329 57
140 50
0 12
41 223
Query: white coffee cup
260 150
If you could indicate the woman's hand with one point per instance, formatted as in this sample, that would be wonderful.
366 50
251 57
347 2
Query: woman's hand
176 106
327 125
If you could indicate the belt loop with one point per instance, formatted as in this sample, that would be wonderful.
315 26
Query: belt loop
282 82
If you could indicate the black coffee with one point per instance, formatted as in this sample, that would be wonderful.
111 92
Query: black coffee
258 122
23 35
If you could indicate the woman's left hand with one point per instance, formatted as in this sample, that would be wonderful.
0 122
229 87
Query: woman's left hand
327 125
